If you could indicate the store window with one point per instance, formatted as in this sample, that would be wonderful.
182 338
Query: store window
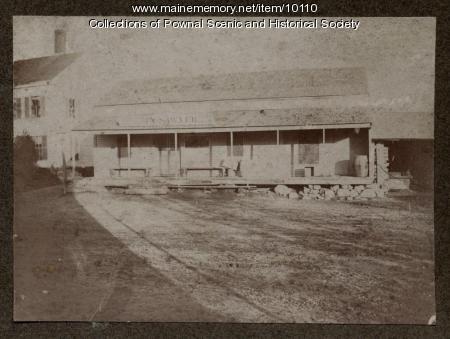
196 141
308 147
122 146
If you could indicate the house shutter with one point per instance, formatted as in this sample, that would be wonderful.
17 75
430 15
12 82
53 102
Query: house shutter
42 102
19 113
27 107
17 108
44 148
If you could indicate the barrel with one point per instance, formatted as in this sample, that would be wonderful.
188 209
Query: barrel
361 166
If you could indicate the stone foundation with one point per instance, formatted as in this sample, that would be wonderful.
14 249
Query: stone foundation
336 192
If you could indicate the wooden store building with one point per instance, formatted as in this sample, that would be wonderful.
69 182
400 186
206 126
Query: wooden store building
292 127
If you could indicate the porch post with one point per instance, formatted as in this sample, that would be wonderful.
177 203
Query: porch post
231 146
129 152
323 135
72 154
176 150
278 136
371 156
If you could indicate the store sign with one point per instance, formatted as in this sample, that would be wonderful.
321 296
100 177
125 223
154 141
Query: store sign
168 121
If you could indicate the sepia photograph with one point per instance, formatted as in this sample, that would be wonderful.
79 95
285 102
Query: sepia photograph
245 170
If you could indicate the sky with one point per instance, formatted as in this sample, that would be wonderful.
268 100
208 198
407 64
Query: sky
398 53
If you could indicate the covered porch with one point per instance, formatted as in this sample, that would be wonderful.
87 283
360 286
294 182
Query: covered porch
295 155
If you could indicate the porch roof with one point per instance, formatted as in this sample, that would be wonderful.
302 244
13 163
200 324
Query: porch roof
245 120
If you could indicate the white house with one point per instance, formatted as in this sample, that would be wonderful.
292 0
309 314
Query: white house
49 102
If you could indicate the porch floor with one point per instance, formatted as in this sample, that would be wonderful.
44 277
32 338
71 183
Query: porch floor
229 181
342 180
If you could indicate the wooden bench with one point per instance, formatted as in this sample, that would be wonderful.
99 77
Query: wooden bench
146 170
185 170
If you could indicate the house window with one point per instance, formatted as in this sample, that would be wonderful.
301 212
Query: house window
308 147
37 107
238 144
71 108
17 108
40 143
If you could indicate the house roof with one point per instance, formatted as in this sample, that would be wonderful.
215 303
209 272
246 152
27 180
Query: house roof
125 107
240 119
41 69
289 83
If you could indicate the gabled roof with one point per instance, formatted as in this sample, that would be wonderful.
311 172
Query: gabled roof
289 83
41 69
226 119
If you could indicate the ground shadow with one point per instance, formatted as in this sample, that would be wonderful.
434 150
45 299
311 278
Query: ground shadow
68 267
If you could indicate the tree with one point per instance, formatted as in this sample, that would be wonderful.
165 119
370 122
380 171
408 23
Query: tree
25 159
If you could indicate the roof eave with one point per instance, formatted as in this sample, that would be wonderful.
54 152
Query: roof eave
224 128
33 84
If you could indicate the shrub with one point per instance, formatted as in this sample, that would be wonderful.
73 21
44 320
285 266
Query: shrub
27 175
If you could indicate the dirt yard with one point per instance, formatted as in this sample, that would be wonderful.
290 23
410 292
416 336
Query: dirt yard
197 256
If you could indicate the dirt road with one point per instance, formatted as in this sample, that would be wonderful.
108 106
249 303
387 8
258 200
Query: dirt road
242 258
69 267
